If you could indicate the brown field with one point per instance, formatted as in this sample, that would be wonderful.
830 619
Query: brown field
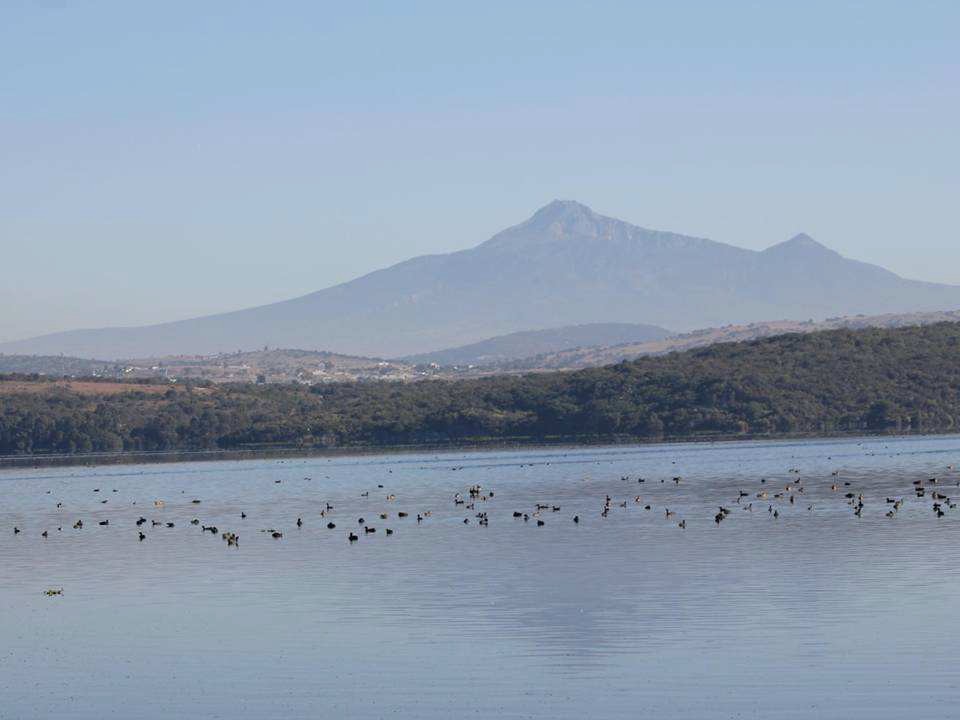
84 387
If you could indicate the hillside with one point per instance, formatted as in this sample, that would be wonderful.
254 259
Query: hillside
516 346
600 355
564 265
905 379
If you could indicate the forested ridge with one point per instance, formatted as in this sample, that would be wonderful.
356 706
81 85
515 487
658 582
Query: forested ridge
905 379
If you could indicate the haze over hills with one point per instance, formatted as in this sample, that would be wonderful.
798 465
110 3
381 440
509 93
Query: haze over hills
525 344
566 265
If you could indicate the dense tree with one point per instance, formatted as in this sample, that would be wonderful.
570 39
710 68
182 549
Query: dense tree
874 380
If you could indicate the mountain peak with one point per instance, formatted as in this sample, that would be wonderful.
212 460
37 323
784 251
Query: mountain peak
561 211
799 243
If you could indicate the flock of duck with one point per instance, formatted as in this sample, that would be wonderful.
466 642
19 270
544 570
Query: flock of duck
471 502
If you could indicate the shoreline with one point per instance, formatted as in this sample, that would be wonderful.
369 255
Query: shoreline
136 457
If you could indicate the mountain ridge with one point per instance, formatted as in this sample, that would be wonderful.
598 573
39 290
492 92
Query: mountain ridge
564 265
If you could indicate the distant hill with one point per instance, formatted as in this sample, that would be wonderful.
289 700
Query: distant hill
267 365
872 380
599 355
54 365
566 264
537 342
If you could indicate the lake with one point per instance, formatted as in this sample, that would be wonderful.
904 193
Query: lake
807 612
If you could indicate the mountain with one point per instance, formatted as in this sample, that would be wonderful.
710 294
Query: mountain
566 265
518 345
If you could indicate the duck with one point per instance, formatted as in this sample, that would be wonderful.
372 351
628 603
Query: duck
142 536
352 537
331 526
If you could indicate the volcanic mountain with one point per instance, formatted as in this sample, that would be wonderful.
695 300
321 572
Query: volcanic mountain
564 266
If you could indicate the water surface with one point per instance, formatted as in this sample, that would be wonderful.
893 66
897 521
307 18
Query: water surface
815 613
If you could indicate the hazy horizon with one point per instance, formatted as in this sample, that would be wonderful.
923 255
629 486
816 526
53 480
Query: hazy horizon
171 162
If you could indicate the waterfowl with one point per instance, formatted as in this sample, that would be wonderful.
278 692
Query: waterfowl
142 536
352 538
330 526
43 534
576 518
103 522
389 531
276 534
299 522
540 523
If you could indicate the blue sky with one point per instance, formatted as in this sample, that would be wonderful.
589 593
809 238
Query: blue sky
167 160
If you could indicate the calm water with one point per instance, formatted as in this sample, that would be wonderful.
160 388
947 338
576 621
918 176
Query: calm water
814 614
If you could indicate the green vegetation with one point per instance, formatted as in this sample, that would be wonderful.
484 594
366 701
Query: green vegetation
905 379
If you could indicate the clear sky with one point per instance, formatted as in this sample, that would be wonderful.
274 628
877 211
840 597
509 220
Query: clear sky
171 159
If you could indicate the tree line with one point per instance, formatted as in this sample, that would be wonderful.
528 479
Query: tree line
871 380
